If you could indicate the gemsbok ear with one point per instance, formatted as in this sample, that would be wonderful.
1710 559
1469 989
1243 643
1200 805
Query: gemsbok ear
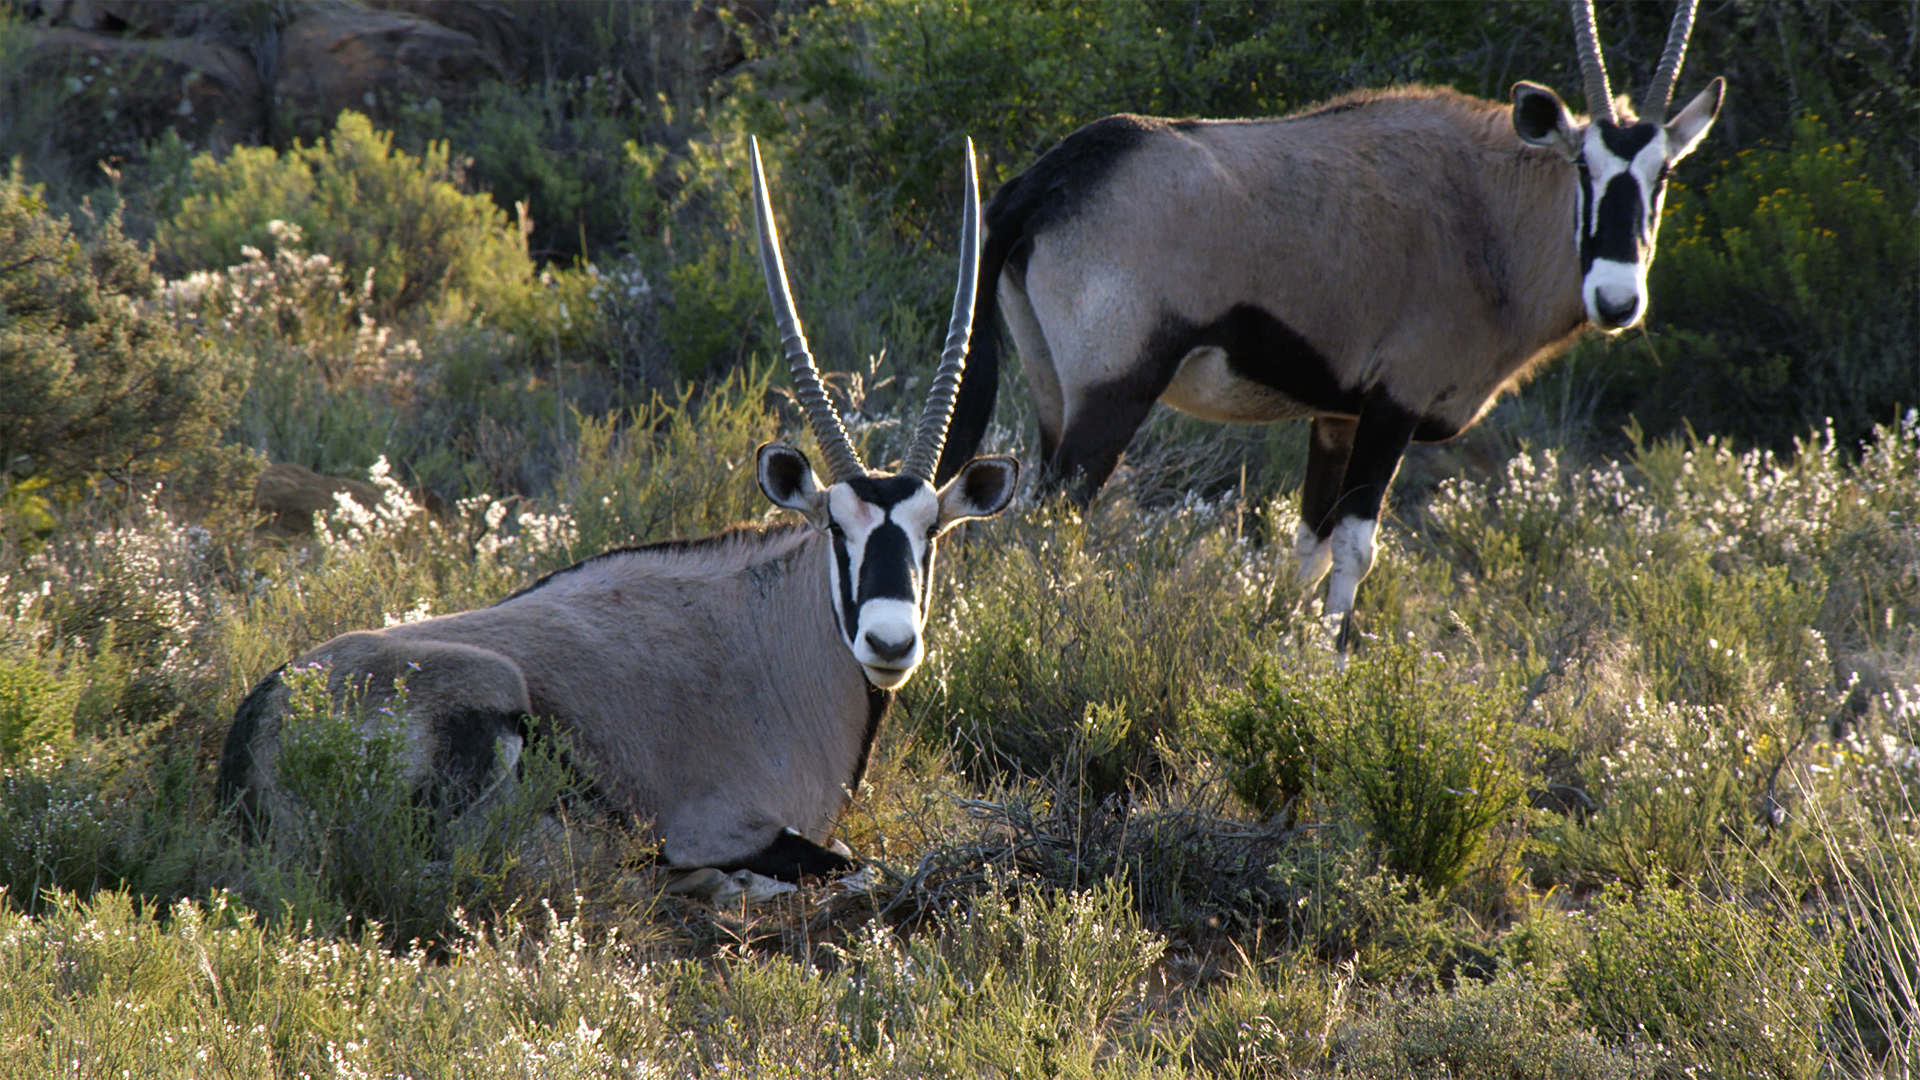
1685 130
786 477
983 488
1540 118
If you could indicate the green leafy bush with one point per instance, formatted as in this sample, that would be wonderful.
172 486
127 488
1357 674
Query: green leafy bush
36 710
1426 758
1268 737
672 468
556 145
93 382
894 87
1714 987
402 219
351 842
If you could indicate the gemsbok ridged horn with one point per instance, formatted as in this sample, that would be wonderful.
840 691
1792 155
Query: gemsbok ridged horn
726 690
1386 264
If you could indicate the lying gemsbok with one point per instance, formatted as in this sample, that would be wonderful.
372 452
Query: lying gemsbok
1386 264
727 689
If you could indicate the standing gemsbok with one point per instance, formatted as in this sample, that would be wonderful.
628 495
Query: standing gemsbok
1386 264
727 689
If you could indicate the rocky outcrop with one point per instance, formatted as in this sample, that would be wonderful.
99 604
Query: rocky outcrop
115 91
120 72
289 496
372 61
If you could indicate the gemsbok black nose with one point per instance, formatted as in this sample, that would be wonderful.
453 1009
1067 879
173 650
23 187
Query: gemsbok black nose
888 650
1615 315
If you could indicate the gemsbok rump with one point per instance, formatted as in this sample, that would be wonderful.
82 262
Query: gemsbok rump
727 690
1386 264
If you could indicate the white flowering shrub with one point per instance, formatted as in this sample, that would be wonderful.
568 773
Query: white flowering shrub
298 299
133 603
1672 798
1706 986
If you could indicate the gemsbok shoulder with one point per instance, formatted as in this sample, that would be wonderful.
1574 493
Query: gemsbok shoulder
1386 264
726 690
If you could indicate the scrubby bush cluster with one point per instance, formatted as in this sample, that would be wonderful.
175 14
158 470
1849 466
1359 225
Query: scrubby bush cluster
1619 781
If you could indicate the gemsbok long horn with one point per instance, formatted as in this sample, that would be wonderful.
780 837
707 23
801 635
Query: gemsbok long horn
1593 67
1660 94
843 461
931 436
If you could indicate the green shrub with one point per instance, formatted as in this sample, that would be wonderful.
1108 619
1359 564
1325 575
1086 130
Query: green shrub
382 212
1267 1022
36 711
672 469
94 383
99 814
59 827
1512 1028
556 145
862 289
352 843
1029 983
1267 736
894 87
1788 293
1086 641
1716 988
1345 905
1675 798
691 225
1426 758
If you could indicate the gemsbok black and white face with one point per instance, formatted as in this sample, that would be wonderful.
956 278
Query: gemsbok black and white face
1623 177
1622 163
882 527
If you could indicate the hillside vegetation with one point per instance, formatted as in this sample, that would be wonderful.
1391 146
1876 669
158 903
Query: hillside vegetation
1620 780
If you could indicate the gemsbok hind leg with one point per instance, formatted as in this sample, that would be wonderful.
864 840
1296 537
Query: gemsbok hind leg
461 712
1098 428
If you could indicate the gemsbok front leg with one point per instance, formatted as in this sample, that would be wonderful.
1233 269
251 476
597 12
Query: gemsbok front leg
1380 439
1329 444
